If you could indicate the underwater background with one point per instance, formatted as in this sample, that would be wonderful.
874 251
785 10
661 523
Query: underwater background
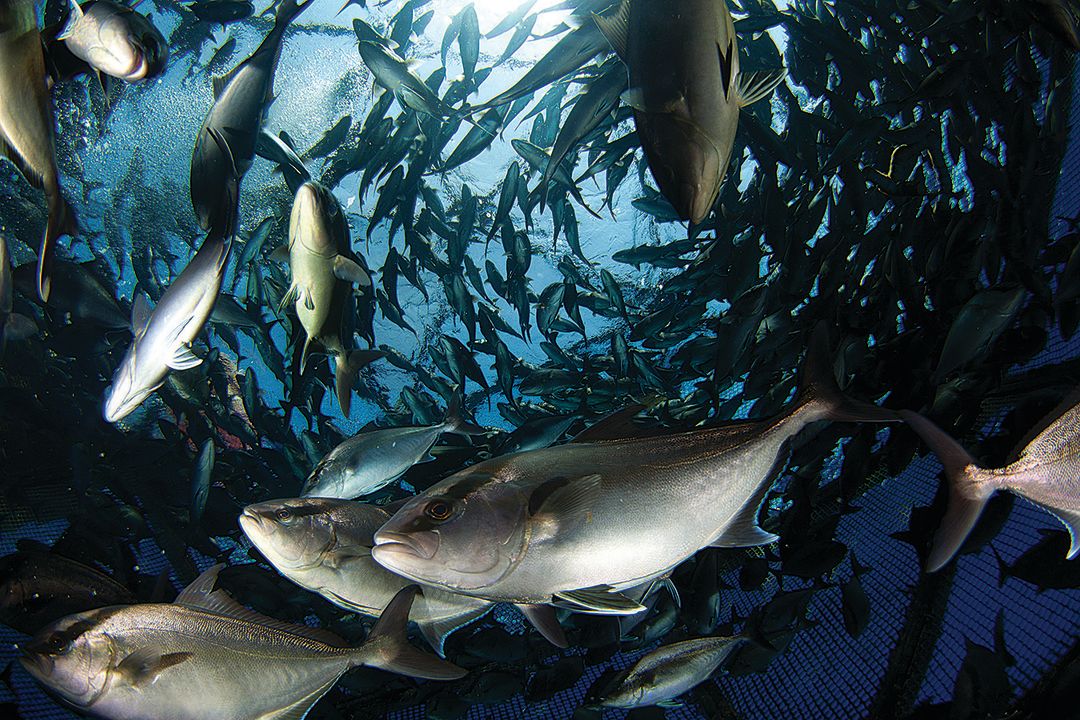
911 184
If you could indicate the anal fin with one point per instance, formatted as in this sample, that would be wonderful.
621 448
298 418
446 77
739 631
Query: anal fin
299 709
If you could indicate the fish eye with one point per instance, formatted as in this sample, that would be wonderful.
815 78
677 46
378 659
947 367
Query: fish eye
57 645
439 510
283 514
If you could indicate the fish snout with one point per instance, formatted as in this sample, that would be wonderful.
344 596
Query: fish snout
420 544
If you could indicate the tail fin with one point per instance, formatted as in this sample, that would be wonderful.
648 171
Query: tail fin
388 649
346 368
287 12
968 490
817 387
457 424
61 222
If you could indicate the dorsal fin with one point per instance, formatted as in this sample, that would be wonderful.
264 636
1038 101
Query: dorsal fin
201 595
1055 430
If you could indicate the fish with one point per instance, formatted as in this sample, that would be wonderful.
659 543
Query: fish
26 125
588 112
553 526
323 270
569 54
225 145
114 40
163 335
200 481
666 673
207 656
536 434
13 326
369 461
324 545
686 90
221 12
1045 473
40 587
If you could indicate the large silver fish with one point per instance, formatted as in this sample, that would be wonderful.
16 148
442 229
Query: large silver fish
369 461
323 271
206 657
225 147
667 672
324 545
26 123
115 40
1047 473
163 336
686 90
577 523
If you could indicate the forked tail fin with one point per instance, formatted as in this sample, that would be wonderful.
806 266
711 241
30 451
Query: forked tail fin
818 388
969 490
61 222
346 368
388 649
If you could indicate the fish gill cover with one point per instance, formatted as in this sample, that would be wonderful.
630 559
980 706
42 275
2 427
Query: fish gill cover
405 285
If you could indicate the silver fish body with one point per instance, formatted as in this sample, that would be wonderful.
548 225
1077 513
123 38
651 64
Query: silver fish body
324 545
1047 473
668 672
26 123
164 335
206 657
393 74
686 90
323 271
577 523
370 461
115 40
225 146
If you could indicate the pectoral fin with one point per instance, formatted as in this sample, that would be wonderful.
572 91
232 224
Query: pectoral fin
350 271
598 600
74 17
140 315
183 359
142 667
565 499
755 86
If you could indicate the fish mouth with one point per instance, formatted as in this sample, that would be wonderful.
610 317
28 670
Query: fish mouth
250 522
421 545
38 665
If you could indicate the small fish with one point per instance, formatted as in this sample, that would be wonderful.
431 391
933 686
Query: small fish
372 460
115 40
38 587
163 336
26 124
324 545
1045 473
13 326
200 481
220 12
207 656
666 673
